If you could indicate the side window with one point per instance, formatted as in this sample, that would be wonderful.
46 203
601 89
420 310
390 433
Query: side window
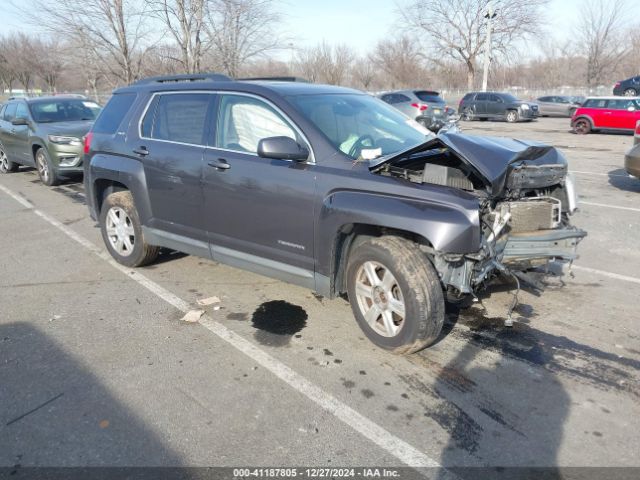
620 104
386 98
10 112
399 98
545 99
181 118
495 98
22 111
2 107
244 121
113 113
595 103
482 97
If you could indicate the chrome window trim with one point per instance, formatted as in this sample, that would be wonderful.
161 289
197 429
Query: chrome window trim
312 157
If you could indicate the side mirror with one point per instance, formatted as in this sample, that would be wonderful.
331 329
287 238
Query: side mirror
283 148
19 121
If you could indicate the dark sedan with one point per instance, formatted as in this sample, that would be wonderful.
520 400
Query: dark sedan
629 87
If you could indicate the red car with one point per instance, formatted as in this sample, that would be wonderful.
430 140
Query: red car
606 113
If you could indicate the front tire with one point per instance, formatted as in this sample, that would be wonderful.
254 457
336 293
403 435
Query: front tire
122 231
512 116
6 165
46 172
395 294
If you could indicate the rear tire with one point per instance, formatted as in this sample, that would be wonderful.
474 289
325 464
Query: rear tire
46 172
122 231
6 165
630 92
467 114
395 294
512 116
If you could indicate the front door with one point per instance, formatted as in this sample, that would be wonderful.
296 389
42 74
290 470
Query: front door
21 148
171 145
259 212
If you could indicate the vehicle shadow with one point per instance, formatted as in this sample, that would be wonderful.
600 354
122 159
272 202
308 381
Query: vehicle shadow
490 436
56 413
621 180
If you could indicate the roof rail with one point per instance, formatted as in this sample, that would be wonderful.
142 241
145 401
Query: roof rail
185 77
276 79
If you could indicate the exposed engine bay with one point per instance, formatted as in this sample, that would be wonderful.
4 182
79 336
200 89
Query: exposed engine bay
525 199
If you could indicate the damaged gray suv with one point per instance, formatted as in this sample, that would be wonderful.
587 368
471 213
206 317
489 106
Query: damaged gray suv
328 188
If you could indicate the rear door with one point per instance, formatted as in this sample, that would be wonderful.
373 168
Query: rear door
173 135
7 137
259 212
481 104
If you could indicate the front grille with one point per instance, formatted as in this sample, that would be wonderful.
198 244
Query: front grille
531 215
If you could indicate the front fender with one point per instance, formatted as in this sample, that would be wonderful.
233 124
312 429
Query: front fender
452 227
123 170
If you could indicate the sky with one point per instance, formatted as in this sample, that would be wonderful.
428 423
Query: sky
357 23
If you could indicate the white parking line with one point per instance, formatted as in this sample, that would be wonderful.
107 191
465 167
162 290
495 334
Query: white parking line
603 174
604 273
631 209
395 446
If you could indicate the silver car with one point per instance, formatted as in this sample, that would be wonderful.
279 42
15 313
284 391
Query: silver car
425 106
557 106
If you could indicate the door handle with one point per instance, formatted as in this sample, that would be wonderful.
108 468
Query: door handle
221 164
142 151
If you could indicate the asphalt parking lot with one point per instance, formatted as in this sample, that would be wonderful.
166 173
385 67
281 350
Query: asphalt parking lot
97 369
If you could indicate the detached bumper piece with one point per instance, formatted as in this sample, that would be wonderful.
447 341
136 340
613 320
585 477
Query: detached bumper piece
533 248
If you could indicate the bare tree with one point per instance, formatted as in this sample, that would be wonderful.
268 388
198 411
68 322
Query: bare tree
325 63
600 37
363 72
112 29
48 61
19 54
457 28
241 30
185 20
402 61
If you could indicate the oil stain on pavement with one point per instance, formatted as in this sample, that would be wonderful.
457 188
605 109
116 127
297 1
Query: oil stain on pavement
277 321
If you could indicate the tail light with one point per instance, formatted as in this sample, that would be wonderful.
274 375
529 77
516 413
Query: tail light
87 142
617 84
420 106
446 108
638 128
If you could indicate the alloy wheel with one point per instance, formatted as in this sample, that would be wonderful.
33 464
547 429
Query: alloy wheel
43 167
630 92
582 127
4 162
380 299
120 231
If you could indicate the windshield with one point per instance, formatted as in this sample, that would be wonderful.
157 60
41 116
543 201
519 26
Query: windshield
68 110
359 125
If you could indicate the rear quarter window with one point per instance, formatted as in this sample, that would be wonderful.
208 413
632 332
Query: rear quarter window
113 113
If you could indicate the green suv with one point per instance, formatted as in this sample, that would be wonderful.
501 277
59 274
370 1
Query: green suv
45 133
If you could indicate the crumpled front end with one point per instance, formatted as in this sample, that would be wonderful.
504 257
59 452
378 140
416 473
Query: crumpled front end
526 227
526 197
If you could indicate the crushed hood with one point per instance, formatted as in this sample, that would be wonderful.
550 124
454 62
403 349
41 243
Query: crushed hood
491 157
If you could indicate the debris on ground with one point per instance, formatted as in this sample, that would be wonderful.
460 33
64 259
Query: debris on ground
207 301
193 316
